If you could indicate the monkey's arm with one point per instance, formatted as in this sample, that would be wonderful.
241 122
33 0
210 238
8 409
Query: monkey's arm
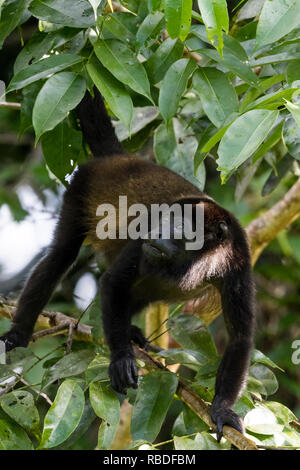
68 237
117 309
237 293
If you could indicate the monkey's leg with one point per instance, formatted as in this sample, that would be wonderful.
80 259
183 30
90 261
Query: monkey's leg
117 311
238 307
40 285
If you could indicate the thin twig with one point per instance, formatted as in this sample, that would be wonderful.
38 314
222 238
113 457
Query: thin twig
10 105
157 329
70 338
158 336
295 425
41 394
51 331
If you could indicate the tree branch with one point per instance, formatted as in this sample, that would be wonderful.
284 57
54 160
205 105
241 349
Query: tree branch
265 228
54 320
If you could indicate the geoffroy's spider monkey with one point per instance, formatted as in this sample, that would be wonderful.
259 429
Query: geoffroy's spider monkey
144 271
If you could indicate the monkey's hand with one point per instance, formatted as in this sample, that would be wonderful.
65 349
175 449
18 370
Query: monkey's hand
123 371
222 415
13 339
136 335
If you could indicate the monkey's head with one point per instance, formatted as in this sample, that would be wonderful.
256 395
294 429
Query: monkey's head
202 231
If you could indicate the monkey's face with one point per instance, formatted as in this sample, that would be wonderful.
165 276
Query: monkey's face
172 256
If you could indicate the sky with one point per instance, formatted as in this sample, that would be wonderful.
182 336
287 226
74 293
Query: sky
21 241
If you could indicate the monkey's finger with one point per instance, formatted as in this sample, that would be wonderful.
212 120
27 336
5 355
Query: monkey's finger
134 372
131 381
219 425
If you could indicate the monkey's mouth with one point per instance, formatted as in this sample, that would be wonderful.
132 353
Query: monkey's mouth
154 249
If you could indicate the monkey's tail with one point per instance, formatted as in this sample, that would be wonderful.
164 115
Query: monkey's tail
96 126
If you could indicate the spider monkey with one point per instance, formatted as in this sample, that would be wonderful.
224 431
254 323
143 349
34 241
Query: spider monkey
142 271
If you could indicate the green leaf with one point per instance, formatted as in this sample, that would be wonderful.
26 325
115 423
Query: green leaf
13 202
202 441
268 143
13 437
183 356
218 97
85 423
41 43
141 118
259 358
234 64
277 18
164 56
58 96
243 405
214 139
215 16
105 402
291 136
150 28
11 16
154 397
174 85
123 64
61 148
42 69
74 363
77 14
185 443
234 58
282 413
253 93
192 422
191 333
264 375
97 369
243 138
277 174
175 148
119 25
294 109
106 434
29 96
293 71
113 91
19 405
276 58
261 420
64 414
178 17
107 406
272 100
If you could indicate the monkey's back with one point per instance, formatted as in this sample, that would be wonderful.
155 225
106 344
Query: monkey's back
102 181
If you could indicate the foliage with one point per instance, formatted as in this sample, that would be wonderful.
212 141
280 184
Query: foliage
87 386
223 92
208 88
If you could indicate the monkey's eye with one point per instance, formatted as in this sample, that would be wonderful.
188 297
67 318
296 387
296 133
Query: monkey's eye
222 231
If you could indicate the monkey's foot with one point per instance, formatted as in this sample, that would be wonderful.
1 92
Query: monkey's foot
222 416
13 339
136 335
123 372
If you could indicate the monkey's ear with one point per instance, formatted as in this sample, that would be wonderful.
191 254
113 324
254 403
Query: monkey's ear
193 199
